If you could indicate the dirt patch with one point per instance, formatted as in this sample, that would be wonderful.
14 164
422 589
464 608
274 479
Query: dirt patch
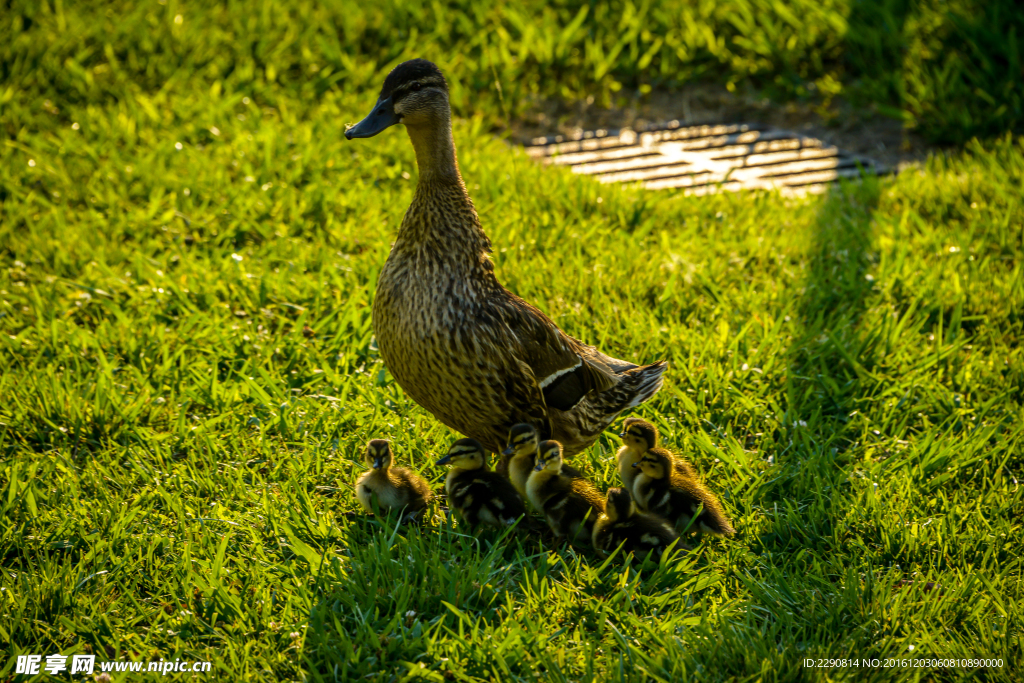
861 132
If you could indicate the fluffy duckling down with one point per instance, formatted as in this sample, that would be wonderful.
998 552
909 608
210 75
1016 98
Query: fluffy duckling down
523 440
476 494
570 505
638 437
661 490
637 532
391 488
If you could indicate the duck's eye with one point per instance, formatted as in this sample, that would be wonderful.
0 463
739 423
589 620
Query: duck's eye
416 86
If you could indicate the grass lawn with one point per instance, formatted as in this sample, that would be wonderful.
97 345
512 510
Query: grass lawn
188 376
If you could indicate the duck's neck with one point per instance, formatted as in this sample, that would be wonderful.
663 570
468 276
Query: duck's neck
435 154
442 214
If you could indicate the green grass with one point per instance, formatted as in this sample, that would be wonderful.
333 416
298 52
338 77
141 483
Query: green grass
177 455
951 69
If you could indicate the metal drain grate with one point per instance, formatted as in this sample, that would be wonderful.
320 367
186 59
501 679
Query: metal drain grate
703 159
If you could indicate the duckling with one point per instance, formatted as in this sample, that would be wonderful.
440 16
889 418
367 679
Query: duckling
522 457
395 488
638 437
637 532
473 354
571 506
662 490
478 495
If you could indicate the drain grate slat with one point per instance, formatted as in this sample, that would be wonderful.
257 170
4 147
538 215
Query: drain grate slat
752 139
630 166
786 156
692 180
703 159
650 173
759 148
576 158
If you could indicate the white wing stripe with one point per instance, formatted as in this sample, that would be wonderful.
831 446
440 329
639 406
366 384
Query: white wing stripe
552 377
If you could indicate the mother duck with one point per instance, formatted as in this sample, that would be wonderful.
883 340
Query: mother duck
462 346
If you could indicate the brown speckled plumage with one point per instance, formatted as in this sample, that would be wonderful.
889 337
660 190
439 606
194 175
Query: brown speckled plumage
476 356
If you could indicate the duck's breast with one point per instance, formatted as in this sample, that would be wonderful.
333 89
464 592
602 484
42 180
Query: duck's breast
447 347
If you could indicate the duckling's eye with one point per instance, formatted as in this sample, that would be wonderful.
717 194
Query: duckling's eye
416 86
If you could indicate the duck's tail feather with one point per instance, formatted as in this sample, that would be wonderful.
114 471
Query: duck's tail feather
581 426
646 381
617 366
635 386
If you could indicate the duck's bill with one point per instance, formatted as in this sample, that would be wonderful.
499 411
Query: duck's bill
445 460
377 463
383 116
636 464
623 435
539 467
508 451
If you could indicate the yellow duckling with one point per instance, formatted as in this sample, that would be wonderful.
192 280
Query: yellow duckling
637 532
522 453
571 506
638 437
661 490
476 494
393 488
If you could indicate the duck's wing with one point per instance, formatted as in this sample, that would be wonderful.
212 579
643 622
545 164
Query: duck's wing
565 369
596 356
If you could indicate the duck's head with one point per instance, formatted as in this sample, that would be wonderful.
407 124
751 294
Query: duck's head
414 93
549 456
378 454
656 463
522 440
466 454
639 435
620 504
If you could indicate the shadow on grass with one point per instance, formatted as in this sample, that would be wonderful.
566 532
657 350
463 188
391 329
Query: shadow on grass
432 602
830 363
806 501
830 356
